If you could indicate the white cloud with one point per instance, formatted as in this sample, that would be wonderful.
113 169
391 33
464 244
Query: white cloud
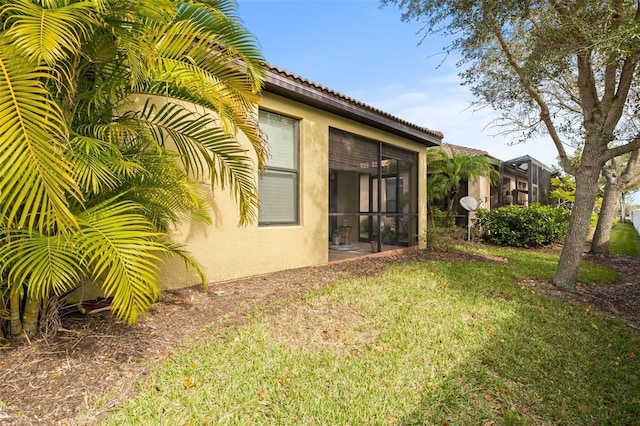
442 104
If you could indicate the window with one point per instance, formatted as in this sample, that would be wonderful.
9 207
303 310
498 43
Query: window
278 187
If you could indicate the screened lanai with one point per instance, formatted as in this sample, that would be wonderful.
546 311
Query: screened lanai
372 194
525 181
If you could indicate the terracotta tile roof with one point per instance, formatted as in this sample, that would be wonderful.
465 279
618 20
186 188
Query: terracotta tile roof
296 87
457 149
465 150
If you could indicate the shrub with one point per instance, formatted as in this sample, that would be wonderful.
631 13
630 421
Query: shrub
440 219
531 226
442 231
438 237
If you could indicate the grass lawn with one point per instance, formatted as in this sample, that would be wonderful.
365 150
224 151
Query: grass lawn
624 239
435 343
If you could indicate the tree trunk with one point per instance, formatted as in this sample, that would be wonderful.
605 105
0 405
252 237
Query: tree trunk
14 320
602 234
616 184
31 315
451 203
586 191
430 217
623 207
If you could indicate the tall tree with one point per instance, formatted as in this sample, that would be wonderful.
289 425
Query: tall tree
90 93
563 68
617 182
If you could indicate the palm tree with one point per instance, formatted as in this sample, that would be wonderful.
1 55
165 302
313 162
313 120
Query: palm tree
91 93
448 170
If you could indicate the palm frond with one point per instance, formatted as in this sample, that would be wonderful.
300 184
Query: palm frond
181 44
120 249
205 148
220 25
127 27
208 58
164 192
94 204
178 251
449 170
35 178
93 161
52 33
45 264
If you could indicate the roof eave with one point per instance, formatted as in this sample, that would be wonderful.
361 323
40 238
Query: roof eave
515 162
280 84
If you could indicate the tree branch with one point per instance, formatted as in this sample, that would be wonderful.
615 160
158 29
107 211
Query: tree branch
610 73
634 145
587 87
629 177
545 115
618 102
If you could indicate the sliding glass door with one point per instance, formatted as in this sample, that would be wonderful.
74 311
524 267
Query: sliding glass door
372 189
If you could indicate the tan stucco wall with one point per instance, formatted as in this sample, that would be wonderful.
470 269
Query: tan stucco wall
480 189
225 251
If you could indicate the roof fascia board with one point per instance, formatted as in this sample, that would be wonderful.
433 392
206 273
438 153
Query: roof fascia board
322 99
528 159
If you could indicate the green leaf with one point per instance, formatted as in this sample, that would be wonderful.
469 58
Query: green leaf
120 248
49 33
205 148
35 177
44 264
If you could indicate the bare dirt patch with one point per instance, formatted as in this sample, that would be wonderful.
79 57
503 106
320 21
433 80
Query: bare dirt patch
620 300
323 325
93 362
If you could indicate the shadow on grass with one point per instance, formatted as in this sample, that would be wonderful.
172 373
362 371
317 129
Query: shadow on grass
546 362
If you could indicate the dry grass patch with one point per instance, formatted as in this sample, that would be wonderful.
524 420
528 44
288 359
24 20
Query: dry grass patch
322 324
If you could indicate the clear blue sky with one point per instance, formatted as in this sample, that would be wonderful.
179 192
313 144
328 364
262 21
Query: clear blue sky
366 52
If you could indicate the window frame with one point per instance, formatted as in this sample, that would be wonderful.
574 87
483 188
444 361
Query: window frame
293 172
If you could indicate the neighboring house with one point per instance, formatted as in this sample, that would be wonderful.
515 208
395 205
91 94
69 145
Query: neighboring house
523 181
485 194
337 167
482 190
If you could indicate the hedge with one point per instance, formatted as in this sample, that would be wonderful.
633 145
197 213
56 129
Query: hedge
517 226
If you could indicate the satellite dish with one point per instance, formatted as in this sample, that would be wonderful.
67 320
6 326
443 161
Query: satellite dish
469 203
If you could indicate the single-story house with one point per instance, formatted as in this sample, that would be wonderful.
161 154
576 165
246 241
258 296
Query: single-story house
522 181
482 190
341 174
